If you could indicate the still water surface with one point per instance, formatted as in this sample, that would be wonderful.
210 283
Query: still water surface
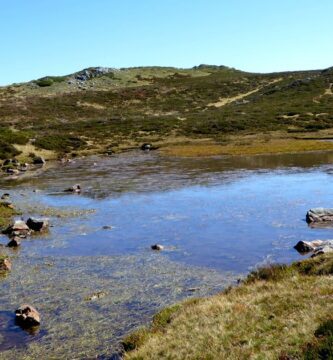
217 217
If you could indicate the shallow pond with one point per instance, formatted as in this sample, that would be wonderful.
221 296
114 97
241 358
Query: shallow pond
218 218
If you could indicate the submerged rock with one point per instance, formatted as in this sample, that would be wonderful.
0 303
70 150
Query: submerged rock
5 196
319 215
107 227
27 316
157 247
5 264
74 189
38 224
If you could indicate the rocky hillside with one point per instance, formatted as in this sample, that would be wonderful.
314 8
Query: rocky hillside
99 109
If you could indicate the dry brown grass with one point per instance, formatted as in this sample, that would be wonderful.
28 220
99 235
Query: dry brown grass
257 320
248 147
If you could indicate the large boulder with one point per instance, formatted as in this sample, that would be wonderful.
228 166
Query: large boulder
319 215
39 225
27 316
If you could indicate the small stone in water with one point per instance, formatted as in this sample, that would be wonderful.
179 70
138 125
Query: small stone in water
157 247
193 289
27 316
95 296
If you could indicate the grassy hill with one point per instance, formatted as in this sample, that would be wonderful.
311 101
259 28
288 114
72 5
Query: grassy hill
98 109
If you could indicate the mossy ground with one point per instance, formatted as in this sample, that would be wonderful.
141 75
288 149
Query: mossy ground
273 314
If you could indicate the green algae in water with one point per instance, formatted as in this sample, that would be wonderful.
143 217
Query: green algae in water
133 287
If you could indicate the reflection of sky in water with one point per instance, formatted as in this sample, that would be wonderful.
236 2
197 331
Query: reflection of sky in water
230 226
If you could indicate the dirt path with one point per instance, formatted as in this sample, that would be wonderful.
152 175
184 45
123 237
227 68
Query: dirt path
327 92
229 100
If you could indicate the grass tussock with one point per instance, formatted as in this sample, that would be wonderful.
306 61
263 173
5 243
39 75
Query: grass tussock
274 314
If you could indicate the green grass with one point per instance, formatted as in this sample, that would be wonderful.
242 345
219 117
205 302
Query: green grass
7 140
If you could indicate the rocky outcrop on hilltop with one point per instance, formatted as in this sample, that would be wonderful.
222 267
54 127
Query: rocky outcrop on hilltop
93 72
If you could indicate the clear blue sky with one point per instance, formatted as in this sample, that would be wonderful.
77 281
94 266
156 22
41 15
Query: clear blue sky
56 37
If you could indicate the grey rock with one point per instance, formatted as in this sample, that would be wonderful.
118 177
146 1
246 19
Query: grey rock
319 215
90 73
